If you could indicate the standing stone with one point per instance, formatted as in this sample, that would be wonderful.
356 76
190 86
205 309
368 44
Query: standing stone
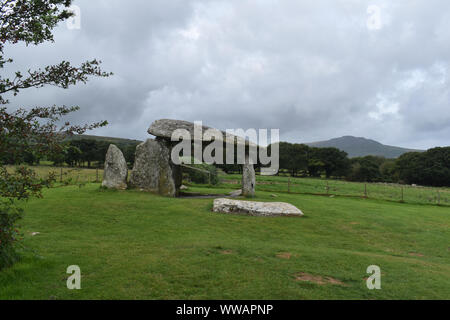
248 179
116 171
153 169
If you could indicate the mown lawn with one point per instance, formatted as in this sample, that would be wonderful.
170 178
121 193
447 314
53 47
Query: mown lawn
133 245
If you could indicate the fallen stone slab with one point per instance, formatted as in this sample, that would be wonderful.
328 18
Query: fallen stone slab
263 209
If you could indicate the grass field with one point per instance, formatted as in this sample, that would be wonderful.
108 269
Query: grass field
282 184
66 175
133 245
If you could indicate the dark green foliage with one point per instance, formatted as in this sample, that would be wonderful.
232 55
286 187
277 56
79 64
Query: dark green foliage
431 168
20 185
365 169
335 162
294 157
87 150
201 173
8 233
388 172
299 158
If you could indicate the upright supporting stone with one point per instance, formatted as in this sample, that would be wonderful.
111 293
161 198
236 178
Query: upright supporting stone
116 171
153 169
248 179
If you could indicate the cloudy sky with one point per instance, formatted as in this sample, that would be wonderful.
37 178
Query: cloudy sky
314 69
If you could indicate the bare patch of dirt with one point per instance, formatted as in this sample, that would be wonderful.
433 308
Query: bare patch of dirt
284 255
302 276
354 223
415 254
227 252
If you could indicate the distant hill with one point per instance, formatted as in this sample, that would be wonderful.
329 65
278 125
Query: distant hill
360 147
112 140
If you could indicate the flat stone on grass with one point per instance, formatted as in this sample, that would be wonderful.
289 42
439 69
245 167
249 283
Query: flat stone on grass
253 208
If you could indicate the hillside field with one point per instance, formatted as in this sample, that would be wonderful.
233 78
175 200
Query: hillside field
134 245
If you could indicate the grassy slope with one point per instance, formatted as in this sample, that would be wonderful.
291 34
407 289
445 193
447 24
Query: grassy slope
132 245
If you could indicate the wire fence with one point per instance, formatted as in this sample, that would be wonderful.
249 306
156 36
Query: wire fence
331 188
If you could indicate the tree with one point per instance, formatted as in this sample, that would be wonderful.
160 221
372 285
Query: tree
36 131
387 171
430 168
335 161
72 155
365 169
293 157
410 167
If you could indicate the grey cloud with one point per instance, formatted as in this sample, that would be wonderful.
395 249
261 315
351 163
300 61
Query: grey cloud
311 68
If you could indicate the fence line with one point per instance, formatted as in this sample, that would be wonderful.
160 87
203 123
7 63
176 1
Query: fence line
382 191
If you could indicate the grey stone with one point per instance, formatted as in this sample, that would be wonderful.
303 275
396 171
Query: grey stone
248 179
153 170
236 193
183 187
263 209
116 171
165 127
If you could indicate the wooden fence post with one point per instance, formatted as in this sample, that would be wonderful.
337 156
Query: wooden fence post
61 175
289 185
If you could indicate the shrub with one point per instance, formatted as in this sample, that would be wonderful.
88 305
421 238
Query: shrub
8 234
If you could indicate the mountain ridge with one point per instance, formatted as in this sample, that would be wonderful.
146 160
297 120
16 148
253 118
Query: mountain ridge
360 147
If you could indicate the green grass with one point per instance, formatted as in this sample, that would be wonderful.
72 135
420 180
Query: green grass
66 175
133 245
382 191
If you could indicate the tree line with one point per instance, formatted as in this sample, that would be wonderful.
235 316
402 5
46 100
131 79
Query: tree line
75 153
91 152
430 168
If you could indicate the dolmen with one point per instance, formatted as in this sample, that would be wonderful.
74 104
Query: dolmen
155 169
